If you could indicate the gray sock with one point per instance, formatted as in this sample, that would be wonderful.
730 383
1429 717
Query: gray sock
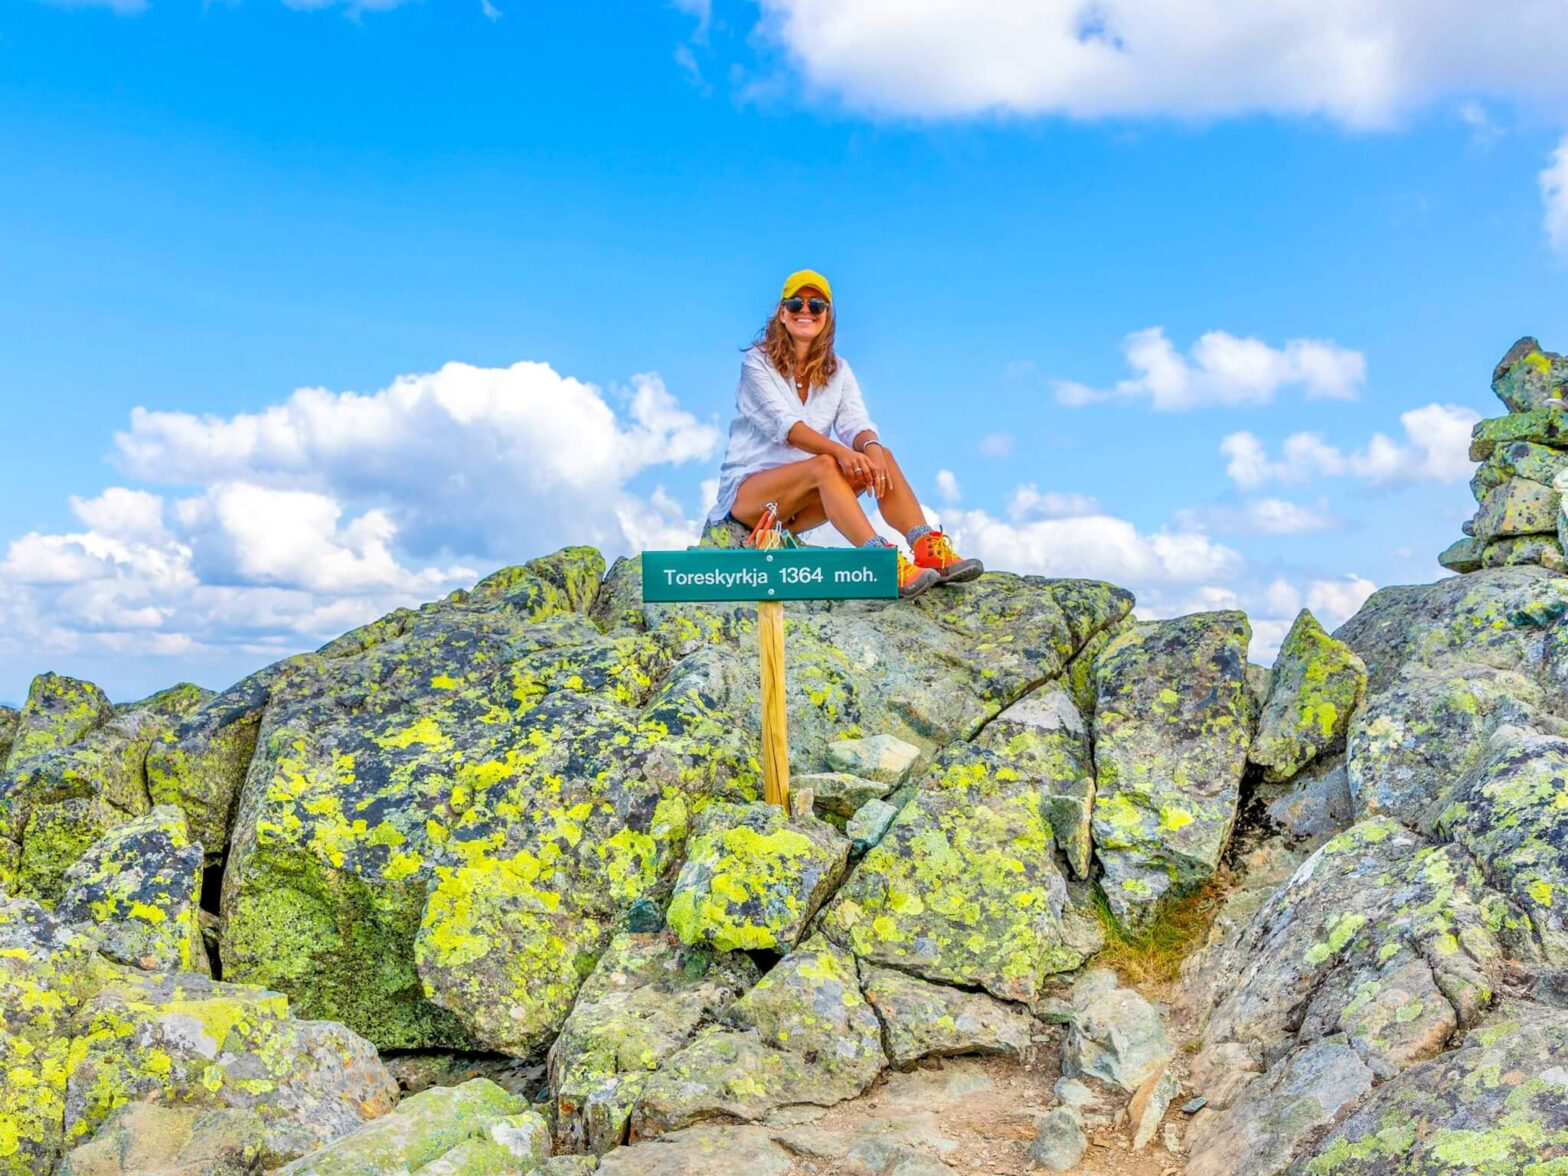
876 541
914 533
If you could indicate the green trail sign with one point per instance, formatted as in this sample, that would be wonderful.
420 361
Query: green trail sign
784 573
770 577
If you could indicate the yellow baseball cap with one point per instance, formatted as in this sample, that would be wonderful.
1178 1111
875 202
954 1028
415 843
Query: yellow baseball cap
800 279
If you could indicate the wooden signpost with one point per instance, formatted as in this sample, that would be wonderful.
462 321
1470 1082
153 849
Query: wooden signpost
770 577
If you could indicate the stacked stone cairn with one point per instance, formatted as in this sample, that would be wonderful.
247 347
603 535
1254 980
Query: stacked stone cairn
1524 468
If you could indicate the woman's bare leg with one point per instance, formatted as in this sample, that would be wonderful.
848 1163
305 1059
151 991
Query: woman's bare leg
794 486
899 505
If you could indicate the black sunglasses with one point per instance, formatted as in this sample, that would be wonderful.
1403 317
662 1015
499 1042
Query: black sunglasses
796 305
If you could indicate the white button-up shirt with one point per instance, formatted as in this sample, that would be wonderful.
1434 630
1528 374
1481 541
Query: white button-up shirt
767 407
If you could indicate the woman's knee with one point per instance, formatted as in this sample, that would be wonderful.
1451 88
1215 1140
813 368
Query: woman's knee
824 469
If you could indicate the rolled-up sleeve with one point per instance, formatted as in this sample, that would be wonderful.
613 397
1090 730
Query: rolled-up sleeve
851 420
759 398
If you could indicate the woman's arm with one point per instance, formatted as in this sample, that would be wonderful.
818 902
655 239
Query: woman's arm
759 399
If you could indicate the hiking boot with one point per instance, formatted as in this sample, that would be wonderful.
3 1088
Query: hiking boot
912 580
933 551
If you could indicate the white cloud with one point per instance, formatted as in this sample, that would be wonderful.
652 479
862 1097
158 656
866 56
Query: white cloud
484 461
1098 546
1334 602
1027 502
996 445
1364 63
1436 448
1222 369
327 509
1554 196
1264 516
701 11
947 486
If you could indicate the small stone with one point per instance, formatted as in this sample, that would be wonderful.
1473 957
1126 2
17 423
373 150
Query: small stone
802 801
1115 1035
1059 1142
870 822
1171 1138
1462 555
1193 1105
840 794
1074 1093
644 917
921 1019
1148 1106
882 758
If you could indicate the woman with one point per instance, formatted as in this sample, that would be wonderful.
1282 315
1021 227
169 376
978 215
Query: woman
795 397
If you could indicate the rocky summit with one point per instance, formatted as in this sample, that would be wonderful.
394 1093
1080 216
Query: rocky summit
489 886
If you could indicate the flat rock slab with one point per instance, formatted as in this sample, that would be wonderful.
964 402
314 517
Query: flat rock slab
841 793
922 1019
1172 724
1518 507
963 888
702 1151
885 759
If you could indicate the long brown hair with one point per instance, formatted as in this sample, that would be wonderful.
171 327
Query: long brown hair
775 342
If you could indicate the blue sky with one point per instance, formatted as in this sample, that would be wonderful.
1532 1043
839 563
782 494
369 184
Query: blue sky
1098 271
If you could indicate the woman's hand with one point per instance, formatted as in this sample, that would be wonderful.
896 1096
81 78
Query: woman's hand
876 457
857 468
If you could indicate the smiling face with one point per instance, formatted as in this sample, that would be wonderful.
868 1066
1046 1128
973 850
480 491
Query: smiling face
804 326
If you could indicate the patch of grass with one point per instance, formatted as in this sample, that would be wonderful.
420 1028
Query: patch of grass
1150 958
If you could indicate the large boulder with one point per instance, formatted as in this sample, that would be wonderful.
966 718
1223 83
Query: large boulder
1428 728
642 1003
963 888
1544 426
1449 663
1499 1103
10 719
199 764
1380 944
137 894
1172 725
58 800
182 1038
1043 738
450 810
754 877
59 711
804 1034
46 972
1518 459
1315 687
